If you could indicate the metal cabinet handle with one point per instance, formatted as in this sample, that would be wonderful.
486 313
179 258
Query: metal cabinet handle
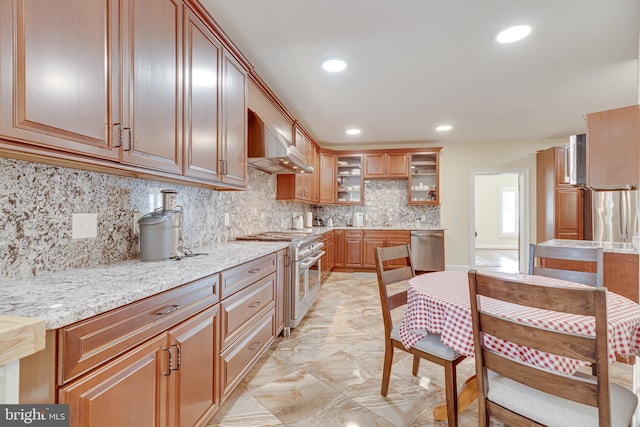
119 134
255 304
178 357
166 374
254 270
255 345
169 310
130 138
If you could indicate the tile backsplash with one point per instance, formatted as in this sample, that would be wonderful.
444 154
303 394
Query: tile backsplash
37 203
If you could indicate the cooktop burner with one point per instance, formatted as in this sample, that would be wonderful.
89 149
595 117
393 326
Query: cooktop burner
275 236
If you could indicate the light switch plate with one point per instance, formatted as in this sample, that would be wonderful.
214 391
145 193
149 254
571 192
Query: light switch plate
84 226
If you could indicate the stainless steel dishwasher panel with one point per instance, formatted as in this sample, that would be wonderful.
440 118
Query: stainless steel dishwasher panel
427 250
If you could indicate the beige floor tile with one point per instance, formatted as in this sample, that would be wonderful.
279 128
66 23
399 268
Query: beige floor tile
328 371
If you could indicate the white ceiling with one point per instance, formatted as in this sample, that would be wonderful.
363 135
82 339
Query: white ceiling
416 64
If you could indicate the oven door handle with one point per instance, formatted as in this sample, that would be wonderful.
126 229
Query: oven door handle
307 264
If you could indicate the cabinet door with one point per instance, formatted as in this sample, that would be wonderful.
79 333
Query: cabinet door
234 121
353 249
327 175
374 165
53 88
151 41
195 381
370 244
202 57
568 213
613 147
281 277
397 165
129 391
338 244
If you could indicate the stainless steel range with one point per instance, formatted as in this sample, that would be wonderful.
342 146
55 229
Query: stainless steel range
304 273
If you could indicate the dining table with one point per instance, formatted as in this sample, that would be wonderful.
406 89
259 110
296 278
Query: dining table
438 303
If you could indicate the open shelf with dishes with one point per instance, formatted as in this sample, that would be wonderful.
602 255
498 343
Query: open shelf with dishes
349 188
424 179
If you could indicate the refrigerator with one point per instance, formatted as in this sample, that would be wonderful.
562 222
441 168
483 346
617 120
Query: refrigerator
614 215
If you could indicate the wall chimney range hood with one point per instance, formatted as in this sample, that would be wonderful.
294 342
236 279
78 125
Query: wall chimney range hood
270 152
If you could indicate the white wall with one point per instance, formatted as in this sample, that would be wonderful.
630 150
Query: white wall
457 160
487 211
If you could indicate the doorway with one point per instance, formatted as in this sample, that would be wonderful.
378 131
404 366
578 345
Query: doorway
499 220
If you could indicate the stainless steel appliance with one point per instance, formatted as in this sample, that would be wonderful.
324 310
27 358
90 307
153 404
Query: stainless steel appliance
427 250
615 215
161 231
270 152
304 273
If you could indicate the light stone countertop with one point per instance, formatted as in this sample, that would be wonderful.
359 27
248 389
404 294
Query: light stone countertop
69 296
615 247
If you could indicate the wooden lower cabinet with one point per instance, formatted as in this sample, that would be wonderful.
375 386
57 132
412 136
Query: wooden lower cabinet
383 238
620 272
170 380
127 392
338 245
327 260
353 248
170 359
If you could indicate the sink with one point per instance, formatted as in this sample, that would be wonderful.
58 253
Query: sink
20 337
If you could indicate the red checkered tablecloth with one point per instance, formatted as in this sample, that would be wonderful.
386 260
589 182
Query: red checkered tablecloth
439 303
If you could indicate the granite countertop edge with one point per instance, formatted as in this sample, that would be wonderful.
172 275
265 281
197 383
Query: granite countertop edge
66 297
613 247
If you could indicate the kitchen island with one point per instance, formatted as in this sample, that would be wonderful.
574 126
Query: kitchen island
620 264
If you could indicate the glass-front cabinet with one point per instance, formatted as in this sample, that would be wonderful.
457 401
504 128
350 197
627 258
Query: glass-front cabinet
424 179
349 189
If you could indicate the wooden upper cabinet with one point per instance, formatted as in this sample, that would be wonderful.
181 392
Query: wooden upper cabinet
386 165
52 86
151 33
202 82
327 175
233 148
613 147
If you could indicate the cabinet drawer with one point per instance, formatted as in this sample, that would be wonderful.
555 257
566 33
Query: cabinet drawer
237 278
241 308
91 342
240 357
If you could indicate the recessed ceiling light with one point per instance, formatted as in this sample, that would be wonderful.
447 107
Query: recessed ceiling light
334 64
444 128
513 34
353 131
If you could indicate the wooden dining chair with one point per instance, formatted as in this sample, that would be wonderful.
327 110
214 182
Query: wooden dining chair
429 348
519 394
564 263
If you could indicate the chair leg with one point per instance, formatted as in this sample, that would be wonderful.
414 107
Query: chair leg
386 370
451 393
416 365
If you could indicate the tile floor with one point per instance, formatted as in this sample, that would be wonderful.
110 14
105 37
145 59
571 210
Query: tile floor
501 260
328 371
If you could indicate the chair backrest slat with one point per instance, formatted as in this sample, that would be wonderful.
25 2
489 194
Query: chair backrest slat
390 276
581 265
585 301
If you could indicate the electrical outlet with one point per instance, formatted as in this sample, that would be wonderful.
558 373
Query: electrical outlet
84 226
423 218
227 219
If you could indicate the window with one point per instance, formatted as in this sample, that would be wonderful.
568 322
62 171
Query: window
508 213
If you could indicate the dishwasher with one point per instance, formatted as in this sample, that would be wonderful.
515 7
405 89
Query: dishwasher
427 250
